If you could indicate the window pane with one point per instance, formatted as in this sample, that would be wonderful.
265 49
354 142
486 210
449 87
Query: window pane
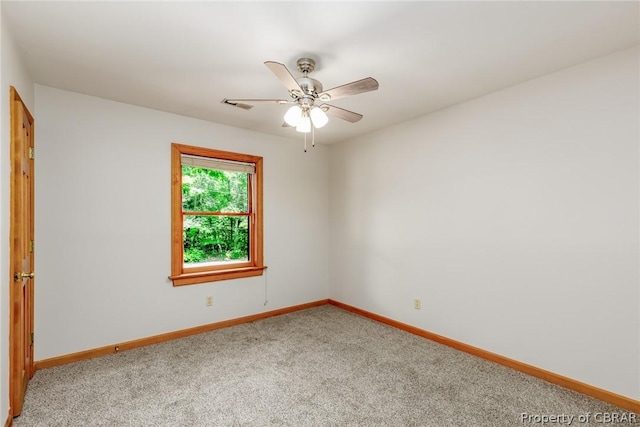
215 239
210 190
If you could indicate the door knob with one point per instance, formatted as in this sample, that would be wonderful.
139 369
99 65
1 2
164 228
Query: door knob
19 276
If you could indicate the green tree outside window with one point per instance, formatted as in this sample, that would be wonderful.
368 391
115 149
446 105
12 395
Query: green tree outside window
215 206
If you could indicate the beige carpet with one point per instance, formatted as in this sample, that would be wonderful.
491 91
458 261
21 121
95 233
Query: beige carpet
317 367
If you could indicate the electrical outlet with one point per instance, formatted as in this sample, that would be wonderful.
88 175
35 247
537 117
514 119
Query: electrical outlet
209 301
417 304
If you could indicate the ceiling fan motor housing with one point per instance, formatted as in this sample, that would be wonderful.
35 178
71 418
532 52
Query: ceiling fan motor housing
309 86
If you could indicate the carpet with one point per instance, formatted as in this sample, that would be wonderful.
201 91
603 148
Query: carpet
321 366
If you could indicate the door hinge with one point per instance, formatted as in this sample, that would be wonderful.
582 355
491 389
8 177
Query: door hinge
31 245
31 339
32 153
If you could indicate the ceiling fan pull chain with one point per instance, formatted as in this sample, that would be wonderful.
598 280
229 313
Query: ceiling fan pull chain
313 136
305 142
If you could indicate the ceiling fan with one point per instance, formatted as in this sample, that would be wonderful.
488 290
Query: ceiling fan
309 110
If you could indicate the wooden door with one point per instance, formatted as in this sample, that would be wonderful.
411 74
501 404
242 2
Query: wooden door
21 253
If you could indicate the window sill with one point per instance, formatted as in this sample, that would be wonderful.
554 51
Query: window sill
214 276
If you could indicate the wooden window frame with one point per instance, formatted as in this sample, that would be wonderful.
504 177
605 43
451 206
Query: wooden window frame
193 275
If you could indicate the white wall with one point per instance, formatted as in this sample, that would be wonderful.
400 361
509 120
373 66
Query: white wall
103 224
514 217
12 74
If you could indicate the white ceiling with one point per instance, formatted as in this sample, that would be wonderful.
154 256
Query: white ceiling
185 57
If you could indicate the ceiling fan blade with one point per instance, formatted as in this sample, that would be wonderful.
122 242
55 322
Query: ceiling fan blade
353 88
245 104
284 75
341 113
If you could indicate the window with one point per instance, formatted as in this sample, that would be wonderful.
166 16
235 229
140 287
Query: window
216 215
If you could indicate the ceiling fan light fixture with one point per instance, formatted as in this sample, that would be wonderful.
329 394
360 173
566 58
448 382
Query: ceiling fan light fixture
304 125
293 115
318 117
